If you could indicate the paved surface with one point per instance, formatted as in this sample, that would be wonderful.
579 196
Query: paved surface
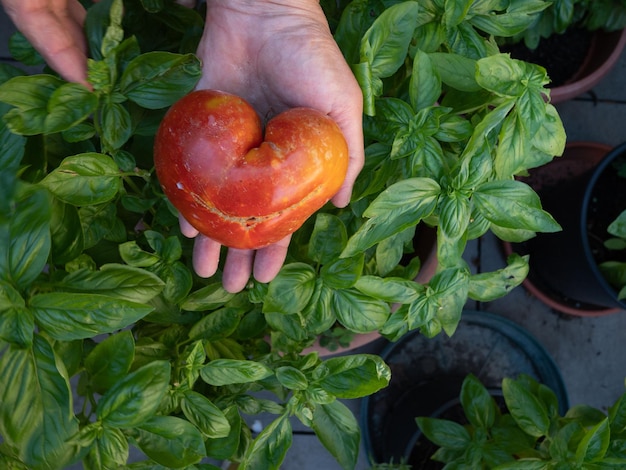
590 352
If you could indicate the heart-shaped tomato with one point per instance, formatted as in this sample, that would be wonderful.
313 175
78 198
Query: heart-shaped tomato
237 187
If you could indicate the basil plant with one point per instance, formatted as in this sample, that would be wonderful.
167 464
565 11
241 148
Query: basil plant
109 341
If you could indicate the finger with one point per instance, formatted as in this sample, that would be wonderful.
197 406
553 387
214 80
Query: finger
206 256
269 260
56 32
350 123
186 228
237 269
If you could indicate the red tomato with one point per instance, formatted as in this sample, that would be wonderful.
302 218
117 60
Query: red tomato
236 186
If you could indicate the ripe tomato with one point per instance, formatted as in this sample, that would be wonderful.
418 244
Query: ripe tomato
241 188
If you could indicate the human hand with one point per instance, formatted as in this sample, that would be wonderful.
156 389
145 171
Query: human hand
277 55
55 29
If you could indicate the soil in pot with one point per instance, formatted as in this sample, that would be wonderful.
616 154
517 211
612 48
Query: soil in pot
428 373
562 55
559 275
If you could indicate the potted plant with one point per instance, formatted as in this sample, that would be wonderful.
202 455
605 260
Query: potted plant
427 375
99 305
585 191
526 430
578 41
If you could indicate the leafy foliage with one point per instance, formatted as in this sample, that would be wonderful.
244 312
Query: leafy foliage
96 285
527 431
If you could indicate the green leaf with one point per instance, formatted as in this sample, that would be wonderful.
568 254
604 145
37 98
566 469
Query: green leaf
390 289
11 153
343 273
68 106
207 417
529 412
27 236
226 447
29 95
478 405
109 450
158 79
116 125
513 204
209 297
385 44
268 450
595 443
23 51
36 415
359 312
135 398
353 376
397 208
66 316
218 324
337 429
489 286
110 360
291 289
17 323
85 179
328 239
425 84
234 371
444 433
115 280
170 441
66 233
291 378
456 71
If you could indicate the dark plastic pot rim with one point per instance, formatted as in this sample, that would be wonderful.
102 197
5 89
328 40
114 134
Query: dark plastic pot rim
597 172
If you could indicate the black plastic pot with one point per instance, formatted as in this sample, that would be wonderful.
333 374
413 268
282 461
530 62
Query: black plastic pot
567 261
427 374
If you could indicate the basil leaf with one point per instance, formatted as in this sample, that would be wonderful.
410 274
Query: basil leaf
170 441
201 412
25 237
29 95
353 376
115 280
17 323
67 317
456 71
595 443
84 179
478 405
397 208
158 79
116 125
343 273
225 447
23 51
489 286
109 450
291 289
68 106
385 44
425 83
11 153
36 415
66 233
291 378
328 239
390 289
358 312
337 429
209 297
234 371
513 204
110 360
529 413
136 397
217 324
444 433
268 450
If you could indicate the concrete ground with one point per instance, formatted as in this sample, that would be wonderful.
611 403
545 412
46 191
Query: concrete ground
590 352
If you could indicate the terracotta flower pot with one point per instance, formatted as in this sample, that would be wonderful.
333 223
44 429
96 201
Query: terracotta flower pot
563 268
604 52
